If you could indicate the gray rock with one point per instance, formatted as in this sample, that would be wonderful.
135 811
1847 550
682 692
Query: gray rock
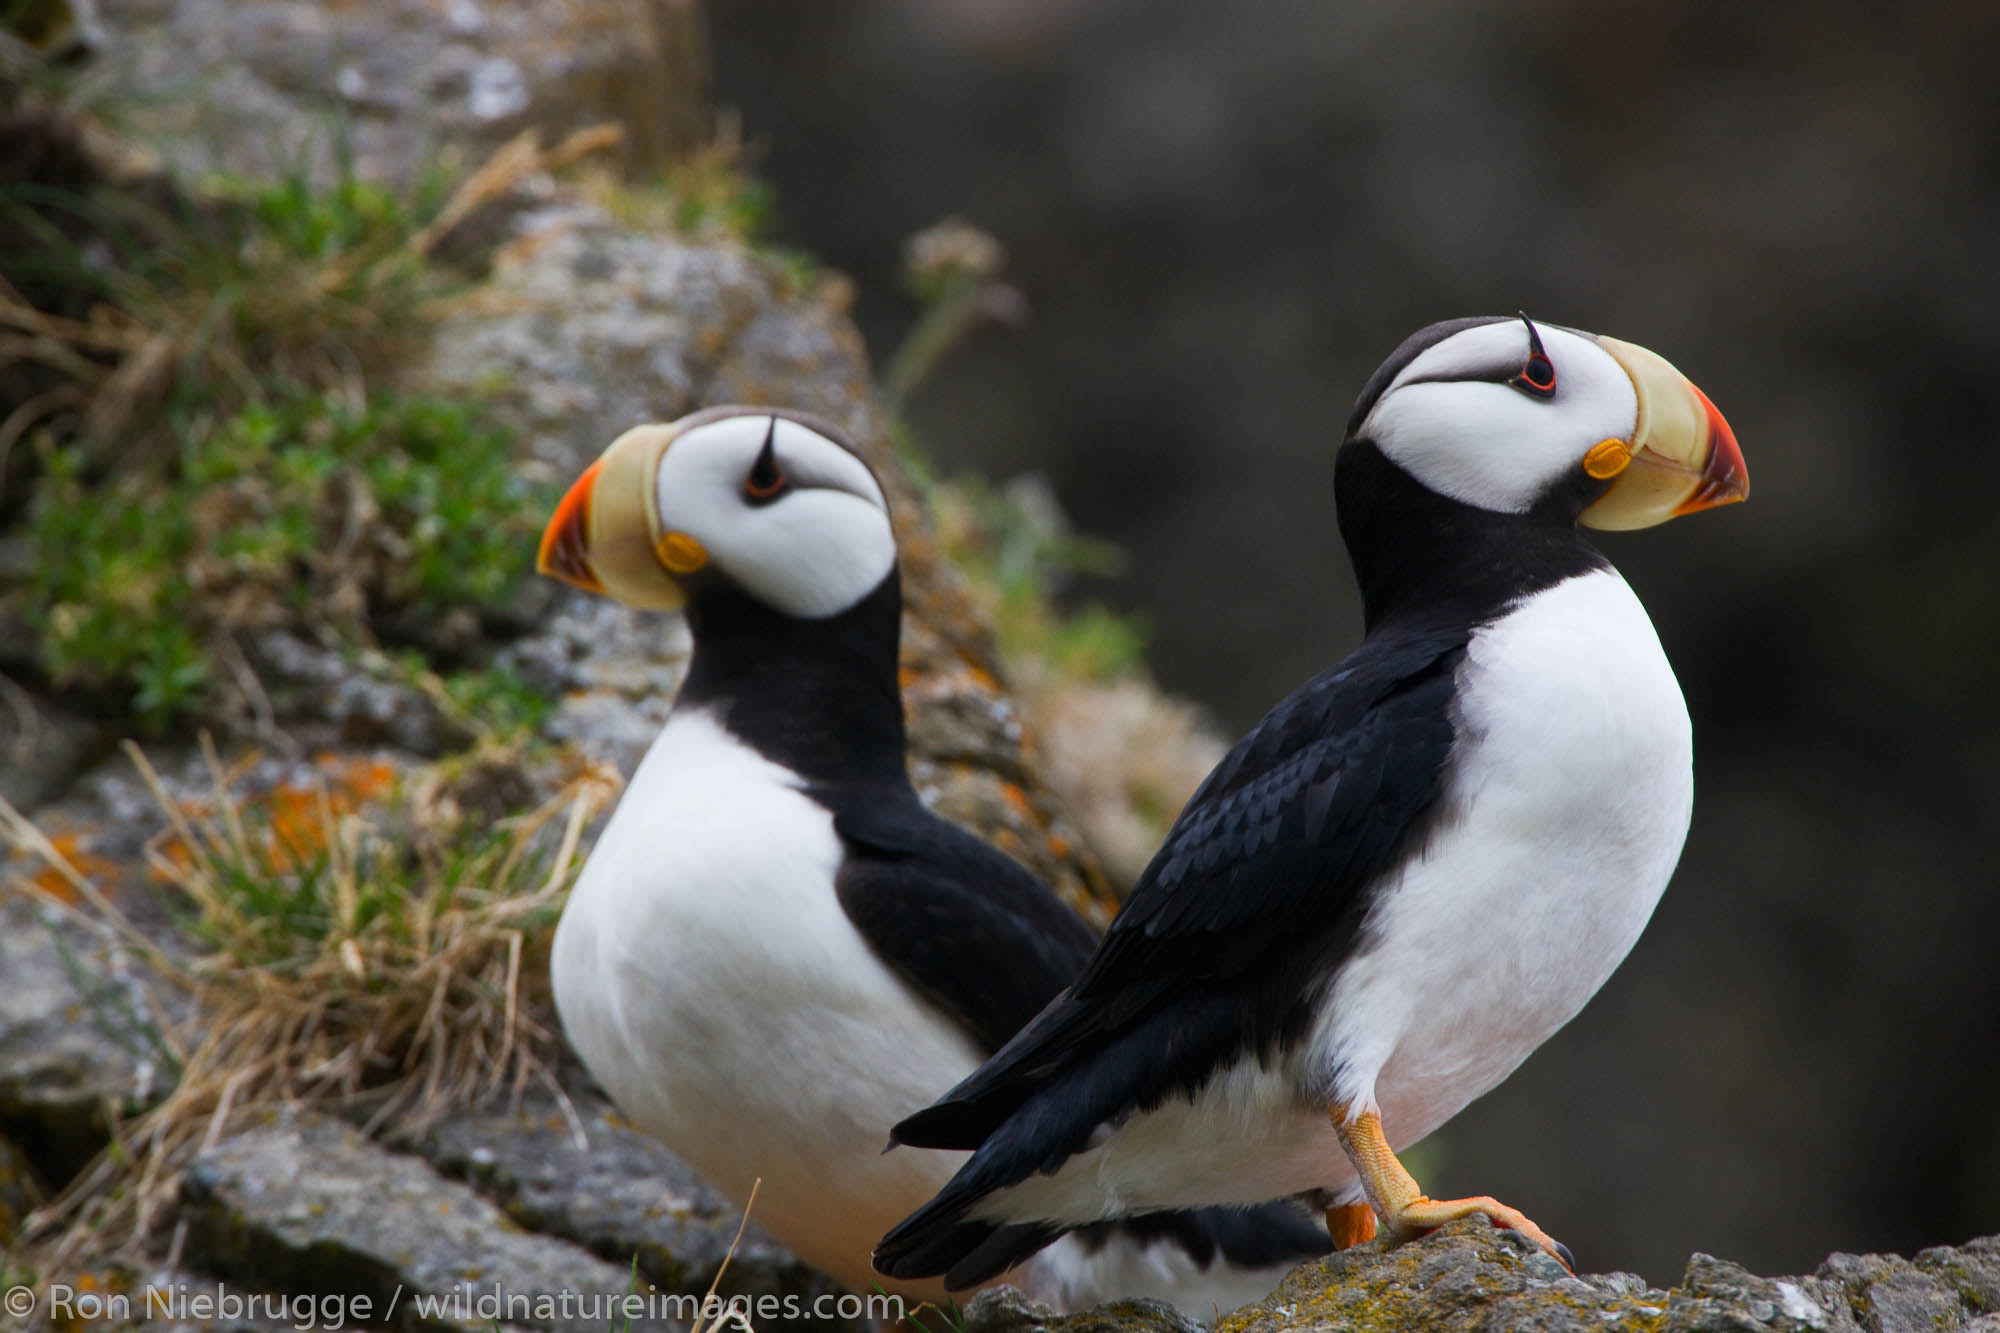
305 1204
21 1191
270 87
1006 1310
1972 1271
589 328
41 745
68 1054
620 1194
357 698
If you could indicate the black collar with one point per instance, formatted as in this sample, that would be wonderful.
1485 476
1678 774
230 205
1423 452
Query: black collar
820 697
1423 557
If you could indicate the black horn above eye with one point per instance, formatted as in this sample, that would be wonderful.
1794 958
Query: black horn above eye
767 481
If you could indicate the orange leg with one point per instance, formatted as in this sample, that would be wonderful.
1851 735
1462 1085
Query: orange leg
1350 1224
1404 1208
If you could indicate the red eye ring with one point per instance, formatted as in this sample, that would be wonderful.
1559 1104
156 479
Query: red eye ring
1538 374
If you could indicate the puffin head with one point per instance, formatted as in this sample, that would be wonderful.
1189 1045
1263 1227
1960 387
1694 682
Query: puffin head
772 502
1517 417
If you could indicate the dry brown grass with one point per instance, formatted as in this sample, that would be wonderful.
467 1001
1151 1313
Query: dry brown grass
358 945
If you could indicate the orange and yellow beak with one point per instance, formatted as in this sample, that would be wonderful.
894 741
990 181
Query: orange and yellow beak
604 534
1682 457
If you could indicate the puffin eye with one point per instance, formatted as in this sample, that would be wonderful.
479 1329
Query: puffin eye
767 481
1538 375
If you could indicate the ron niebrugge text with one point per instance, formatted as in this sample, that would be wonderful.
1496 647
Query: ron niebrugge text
466 1303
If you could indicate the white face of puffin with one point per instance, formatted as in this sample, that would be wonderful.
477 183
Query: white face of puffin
1498 415
779 508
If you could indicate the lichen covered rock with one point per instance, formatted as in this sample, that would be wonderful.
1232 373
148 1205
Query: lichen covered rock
271 87
582 1174
1468 1276
305 1203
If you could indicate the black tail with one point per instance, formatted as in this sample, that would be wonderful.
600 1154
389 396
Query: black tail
969 1253
1021 1126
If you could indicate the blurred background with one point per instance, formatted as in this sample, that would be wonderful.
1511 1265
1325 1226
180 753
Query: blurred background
1224 216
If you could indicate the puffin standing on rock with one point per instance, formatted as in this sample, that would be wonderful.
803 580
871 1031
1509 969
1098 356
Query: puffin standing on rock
1414 869
774 951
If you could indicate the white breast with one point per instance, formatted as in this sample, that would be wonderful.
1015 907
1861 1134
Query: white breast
1571 785
706 974
1567 800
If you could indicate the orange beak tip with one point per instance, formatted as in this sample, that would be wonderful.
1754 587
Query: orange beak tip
1724 478
565 548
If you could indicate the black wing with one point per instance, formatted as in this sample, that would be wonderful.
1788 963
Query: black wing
1261 885
960 921
966 926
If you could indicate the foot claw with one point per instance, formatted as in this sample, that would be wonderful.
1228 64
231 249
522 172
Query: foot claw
1564 1257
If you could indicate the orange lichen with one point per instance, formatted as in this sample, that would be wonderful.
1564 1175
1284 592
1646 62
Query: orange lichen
294 814
70 846
1017 800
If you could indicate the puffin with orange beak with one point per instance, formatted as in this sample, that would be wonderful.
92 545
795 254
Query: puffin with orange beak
774 950
1414 869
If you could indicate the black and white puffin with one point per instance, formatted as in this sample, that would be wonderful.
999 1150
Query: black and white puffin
774 950
1414 869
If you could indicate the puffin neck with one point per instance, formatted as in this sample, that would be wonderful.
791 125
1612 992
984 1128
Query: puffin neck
820 697
1421 556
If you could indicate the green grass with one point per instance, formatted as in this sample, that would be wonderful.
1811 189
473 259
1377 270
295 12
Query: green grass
223 445
297 509
1019 556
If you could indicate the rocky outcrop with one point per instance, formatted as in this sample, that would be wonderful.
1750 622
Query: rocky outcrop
272 87
580 1173
307 1204
74 1015
1467 1276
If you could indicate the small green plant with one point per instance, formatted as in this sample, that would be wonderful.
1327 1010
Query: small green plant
505 706
1018 552
201 433
300 508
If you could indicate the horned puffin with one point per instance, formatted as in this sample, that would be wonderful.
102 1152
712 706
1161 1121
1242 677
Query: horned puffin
774 950
1415 869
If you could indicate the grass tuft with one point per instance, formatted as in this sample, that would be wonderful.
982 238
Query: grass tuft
363 941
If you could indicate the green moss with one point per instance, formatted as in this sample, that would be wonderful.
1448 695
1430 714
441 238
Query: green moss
235 454
297 509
